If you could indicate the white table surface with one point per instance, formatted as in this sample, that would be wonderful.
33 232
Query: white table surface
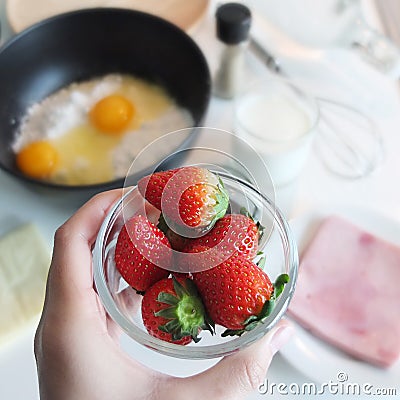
337 74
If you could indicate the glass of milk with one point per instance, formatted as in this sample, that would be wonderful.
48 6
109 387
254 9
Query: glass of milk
279 120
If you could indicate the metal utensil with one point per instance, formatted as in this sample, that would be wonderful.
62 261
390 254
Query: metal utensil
348 142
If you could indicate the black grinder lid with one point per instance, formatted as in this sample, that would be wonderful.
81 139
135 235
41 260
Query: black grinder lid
233 23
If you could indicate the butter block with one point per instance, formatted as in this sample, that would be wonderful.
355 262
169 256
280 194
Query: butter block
24 264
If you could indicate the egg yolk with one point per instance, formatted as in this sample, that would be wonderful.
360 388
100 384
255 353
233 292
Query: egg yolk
112 114
37 160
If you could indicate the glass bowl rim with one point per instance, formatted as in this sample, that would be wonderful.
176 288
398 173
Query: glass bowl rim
207 351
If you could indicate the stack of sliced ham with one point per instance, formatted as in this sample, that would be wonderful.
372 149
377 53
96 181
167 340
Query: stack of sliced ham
348 292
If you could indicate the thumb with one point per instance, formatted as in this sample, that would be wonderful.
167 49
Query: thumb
237 375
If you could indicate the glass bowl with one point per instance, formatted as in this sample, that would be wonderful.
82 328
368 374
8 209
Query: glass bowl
123 303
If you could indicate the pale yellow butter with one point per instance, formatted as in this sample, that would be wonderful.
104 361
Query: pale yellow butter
24 264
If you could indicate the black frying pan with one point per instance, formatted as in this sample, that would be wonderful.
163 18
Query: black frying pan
84 44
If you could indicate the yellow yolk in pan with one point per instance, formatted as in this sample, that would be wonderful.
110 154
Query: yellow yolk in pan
112 114
38 159
85 154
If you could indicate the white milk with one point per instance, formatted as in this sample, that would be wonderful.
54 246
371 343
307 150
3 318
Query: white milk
279 123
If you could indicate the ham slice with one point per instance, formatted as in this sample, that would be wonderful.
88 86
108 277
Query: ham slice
348 292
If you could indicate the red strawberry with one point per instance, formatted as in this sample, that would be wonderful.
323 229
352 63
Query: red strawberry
172 310
197 259
234 234
176 241
189 196
238 294
151 186
142 253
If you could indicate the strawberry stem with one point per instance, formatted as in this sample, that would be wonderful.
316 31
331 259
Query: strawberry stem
186 314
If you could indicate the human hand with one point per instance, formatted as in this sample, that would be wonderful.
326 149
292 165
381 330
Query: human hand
76 344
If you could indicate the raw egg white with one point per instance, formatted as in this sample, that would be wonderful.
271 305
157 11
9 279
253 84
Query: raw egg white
72 136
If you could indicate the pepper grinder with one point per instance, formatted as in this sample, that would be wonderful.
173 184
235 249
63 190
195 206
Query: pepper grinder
233 22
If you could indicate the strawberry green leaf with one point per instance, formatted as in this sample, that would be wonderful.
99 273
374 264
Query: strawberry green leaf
191 288
179 289
250 319
267 309
279 284
232 332
186 314
167 298
172 326
163 328
261 228
195 338
208 324
177 336
168 313
251 322
261 262
244 211
221 203
251 326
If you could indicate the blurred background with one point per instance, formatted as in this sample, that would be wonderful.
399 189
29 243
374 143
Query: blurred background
344 54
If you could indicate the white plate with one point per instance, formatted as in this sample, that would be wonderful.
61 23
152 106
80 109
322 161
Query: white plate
18 379
313 357
185 14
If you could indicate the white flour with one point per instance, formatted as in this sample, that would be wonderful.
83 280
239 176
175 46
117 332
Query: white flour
63 110
69 107
133 142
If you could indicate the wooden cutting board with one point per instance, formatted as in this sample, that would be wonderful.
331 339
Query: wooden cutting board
184 13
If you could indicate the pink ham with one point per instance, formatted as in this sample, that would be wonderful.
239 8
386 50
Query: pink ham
348 292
